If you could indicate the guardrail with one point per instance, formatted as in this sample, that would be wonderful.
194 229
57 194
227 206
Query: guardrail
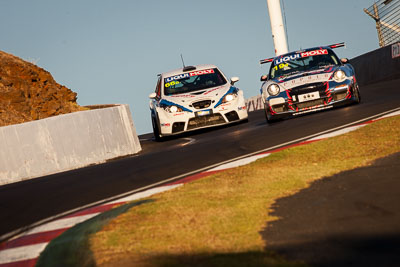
66 142
254 103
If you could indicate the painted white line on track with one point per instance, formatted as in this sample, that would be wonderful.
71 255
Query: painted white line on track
336 133
239 162
61 224
146 193
21 253
390 115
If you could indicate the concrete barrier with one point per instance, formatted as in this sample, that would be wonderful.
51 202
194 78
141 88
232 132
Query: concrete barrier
66 142
378 65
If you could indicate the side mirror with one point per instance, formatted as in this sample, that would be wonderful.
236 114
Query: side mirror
152 95
264 78
234 80
345 60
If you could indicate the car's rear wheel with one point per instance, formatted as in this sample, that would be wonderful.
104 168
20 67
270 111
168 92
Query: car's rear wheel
357 95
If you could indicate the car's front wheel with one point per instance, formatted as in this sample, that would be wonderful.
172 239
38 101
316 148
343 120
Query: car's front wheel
268 117
156 131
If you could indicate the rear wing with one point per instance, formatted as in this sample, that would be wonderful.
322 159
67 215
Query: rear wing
267 60
337 45
333 46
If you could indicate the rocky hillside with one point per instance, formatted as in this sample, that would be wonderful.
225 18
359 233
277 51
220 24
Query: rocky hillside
28 92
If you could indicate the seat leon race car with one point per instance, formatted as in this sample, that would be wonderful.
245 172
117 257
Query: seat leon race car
195 97
306 81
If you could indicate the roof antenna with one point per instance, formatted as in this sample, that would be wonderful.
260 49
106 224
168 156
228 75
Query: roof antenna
183 63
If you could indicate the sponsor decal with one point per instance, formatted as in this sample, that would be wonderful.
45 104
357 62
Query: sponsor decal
178 114
165 124
316 108
396 50
201 72
314 53
177 77
305 80
187 75
242 108
287 58
182 96
301 55
171 84
281 66
212 90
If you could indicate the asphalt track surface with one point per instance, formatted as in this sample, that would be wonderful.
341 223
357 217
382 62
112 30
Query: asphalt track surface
349 219
25 203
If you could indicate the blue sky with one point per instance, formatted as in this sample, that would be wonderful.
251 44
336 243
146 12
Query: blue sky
111 51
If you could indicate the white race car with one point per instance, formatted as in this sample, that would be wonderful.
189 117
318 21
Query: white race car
195 97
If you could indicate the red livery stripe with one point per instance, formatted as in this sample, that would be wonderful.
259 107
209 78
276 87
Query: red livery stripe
26 263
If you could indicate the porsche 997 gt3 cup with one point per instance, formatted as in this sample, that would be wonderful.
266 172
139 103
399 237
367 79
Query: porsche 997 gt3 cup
305 81
195 97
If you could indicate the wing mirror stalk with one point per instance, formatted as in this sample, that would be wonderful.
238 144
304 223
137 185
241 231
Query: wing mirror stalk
234 80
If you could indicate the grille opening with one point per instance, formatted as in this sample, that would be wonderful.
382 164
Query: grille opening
310 104
308 88
207 120
178 127
202 104
232 116
340 96
279 108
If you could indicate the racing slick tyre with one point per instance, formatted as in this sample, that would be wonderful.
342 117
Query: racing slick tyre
357 95
268 117
156 130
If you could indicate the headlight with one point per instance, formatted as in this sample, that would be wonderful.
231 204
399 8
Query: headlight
172 109
339 76
273 89
228 98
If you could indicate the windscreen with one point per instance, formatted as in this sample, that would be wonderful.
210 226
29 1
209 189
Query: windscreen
193 81
300 62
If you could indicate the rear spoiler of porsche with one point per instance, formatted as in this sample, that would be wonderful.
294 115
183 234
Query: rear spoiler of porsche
337 45
267 60
333 46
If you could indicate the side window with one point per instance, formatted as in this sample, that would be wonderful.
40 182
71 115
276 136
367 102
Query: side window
158 88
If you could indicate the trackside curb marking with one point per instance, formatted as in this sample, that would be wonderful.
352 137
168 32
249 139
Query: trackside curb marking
239 162
336 133
19 252
146 193
62 223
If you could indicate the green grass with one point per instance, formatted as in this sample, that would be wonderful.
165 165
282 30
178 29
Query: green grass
72 247
216 221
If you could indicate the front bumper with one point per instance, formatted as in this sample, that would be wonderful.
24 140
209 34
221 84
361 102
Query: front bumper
176 123
306 99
